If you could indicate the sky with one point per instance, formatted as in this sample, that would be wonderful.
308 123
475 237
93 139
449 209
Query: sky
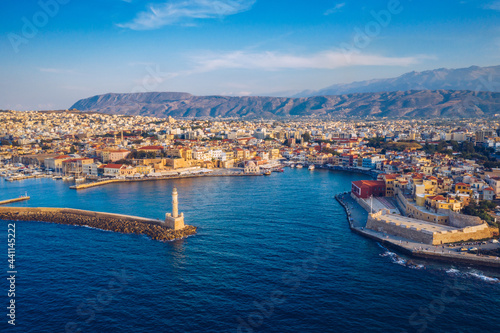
55 52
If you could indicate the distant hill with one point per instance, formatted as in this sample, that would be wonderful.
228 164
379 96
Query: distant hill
473 78
414 103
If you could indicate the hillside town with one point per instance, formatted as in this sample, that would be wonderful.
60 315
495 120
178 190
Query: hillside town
432 166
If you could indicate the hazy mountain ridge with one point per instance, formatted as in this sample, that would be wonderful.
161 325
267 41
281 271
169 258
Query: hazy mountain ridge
473 78
414 103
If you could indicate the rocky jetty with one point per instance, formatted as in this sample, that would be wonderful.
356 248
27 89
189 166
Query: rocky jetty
102 221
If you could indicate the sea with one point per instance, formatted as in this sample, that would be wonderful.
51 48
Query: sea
272 254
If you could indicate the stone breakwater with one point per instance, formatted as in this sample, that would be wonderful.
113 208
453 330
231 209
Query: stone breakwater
105 221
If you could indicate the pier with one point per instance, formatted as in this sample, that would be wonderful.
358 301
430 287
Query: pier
5 202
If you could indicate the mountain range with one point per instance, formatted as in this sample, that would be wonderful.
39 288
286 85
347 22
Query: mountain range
468 92
473 78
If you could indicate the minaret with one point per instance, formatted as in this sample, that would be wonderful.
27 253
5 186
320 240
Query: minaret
175 203
174 220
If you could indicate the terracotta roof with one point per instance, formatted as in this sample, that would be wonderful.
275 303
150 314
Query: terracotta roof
369 183
152 147
113 166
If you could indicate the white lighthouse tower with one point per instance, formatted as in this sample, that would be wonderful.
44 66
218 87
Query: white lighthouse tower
174 220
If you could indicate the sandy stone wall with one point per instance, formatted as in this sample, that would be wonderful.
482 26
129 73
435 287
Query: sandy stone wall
395 229
463 235
376 222
462 221
154 229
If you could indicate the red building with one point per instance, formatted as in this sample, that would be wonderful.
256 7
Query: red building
366 188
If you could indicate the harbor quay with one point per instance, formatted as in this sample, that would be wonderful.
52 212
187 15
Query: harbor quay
358 218
128 180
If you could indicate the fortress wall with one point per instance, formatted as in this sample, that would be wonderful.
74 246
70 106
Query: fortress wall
395 229
376 222
476 233
461 221
401 200
411 210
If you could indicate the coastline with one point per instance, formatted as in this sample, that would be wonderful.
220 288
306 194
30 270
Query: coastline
409 248
125 224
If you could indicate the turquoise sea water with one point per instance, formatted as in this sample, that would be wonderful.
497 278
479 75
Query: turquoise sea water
273 254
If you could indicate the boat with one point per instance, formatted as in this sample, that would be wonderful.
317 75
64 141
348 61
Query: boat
311 167
299 166
292 165
267 173
57 177
80 180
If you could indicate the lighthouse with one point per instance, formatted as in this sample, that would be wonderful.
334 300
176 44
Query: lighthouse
175 203
174 220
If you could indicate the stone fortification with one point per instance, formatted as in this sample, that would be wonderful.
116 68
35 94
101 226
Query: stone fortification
462 221
377 222
154 229
423 232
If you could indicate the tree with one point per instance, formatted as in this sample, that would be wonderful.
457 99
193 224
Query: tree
306 137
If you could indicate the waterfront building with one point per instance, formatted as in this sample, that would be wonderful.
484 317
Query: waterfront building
366 188
90 169
112 170
251 168
56 163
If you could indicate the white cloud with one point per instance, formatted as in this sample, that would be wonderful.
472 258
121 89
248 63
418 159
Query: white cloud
180 11
278 61
270 61
335 8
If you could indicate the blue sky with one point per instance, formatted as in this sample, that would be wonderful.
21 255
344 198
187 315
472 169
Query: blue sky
54 52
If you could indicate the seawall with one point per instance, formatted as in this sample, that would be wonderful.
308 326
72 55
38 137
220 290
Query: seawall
106 221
